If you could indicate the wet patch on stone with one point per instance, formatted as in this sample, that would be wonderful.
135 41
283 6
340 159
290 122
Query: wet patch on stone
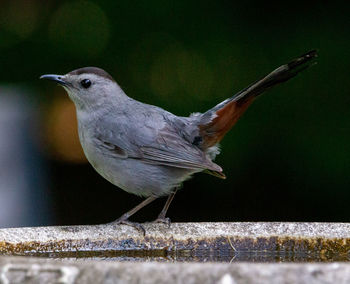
219 249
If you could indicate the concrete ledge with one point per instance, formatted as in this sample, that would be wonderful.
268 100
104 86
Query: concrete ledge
34 270
185 242
79 247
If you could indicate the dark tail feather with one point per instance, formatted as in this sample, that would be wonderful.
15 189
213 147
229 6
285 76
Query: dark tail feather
279 75
217 121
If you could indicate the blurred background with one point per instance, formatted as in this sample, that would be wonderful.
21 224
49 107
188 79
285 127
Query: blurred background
287 159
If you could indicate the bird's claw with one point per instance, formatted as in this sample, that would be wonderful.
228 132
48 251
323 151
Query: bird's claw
164 220
137 226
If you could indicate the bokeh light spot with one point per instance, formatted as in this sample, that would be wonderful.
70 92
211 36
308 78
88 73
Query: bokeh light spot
62 133
80 28
18 20
177 73
163 79
195 75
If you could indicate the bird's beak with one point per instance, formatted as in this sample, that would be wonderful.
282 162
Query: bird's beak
56 78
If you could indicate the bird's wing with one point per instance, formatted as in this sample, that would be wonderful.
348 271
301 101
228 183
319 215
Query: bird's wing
173 150
162 145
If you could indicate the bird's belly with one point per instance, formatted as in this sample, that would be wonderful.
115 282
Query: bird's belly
136 176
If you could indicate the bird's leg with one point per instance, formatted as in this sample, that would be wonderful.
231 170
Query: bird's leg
124 218
161 217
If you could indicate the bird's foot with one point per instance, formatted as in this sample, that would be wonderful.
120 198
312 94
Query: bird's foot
163 220
137 226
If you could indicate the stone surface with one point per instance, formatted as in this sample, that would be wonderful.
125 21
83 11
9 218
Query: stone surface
32 270
76 248
180 231
185 242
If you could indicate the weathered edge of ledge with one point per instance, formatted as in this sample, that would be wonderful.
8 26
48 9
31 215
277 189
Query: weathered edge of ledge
246 236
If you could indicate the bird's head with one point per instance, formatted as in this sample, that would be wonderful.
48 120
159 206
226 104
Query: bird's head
88 87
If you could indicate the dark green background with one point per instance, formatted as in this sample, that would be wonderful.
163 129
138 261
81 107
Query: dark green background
286 159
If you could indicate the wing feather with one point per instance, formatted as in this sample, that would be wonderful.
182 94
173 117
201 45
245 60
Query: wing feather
164 146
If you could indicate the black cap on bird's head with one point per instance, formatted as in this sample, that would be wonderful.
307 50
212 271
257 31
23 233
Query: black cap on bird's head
85 70
92 70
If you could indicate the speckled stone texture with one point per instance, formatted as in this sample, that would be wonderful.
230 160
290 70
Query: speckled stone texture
322 239
30 270
178 231
234 239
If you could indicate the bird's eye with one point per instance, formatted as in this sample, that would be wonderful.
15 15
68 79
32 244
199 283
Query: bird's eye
86 83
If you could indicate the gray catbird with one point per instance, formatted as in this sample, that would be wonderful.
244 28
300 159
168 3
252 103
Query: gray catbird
146 150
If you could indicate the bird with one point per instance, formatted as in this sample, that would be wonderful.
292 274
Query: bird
146 150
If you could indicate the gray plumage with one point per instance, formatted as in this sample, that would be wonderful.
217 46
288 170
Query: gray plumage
144 149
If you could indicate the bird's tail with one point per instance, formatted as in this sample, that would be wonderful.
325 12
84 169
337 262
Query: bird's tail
215 123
